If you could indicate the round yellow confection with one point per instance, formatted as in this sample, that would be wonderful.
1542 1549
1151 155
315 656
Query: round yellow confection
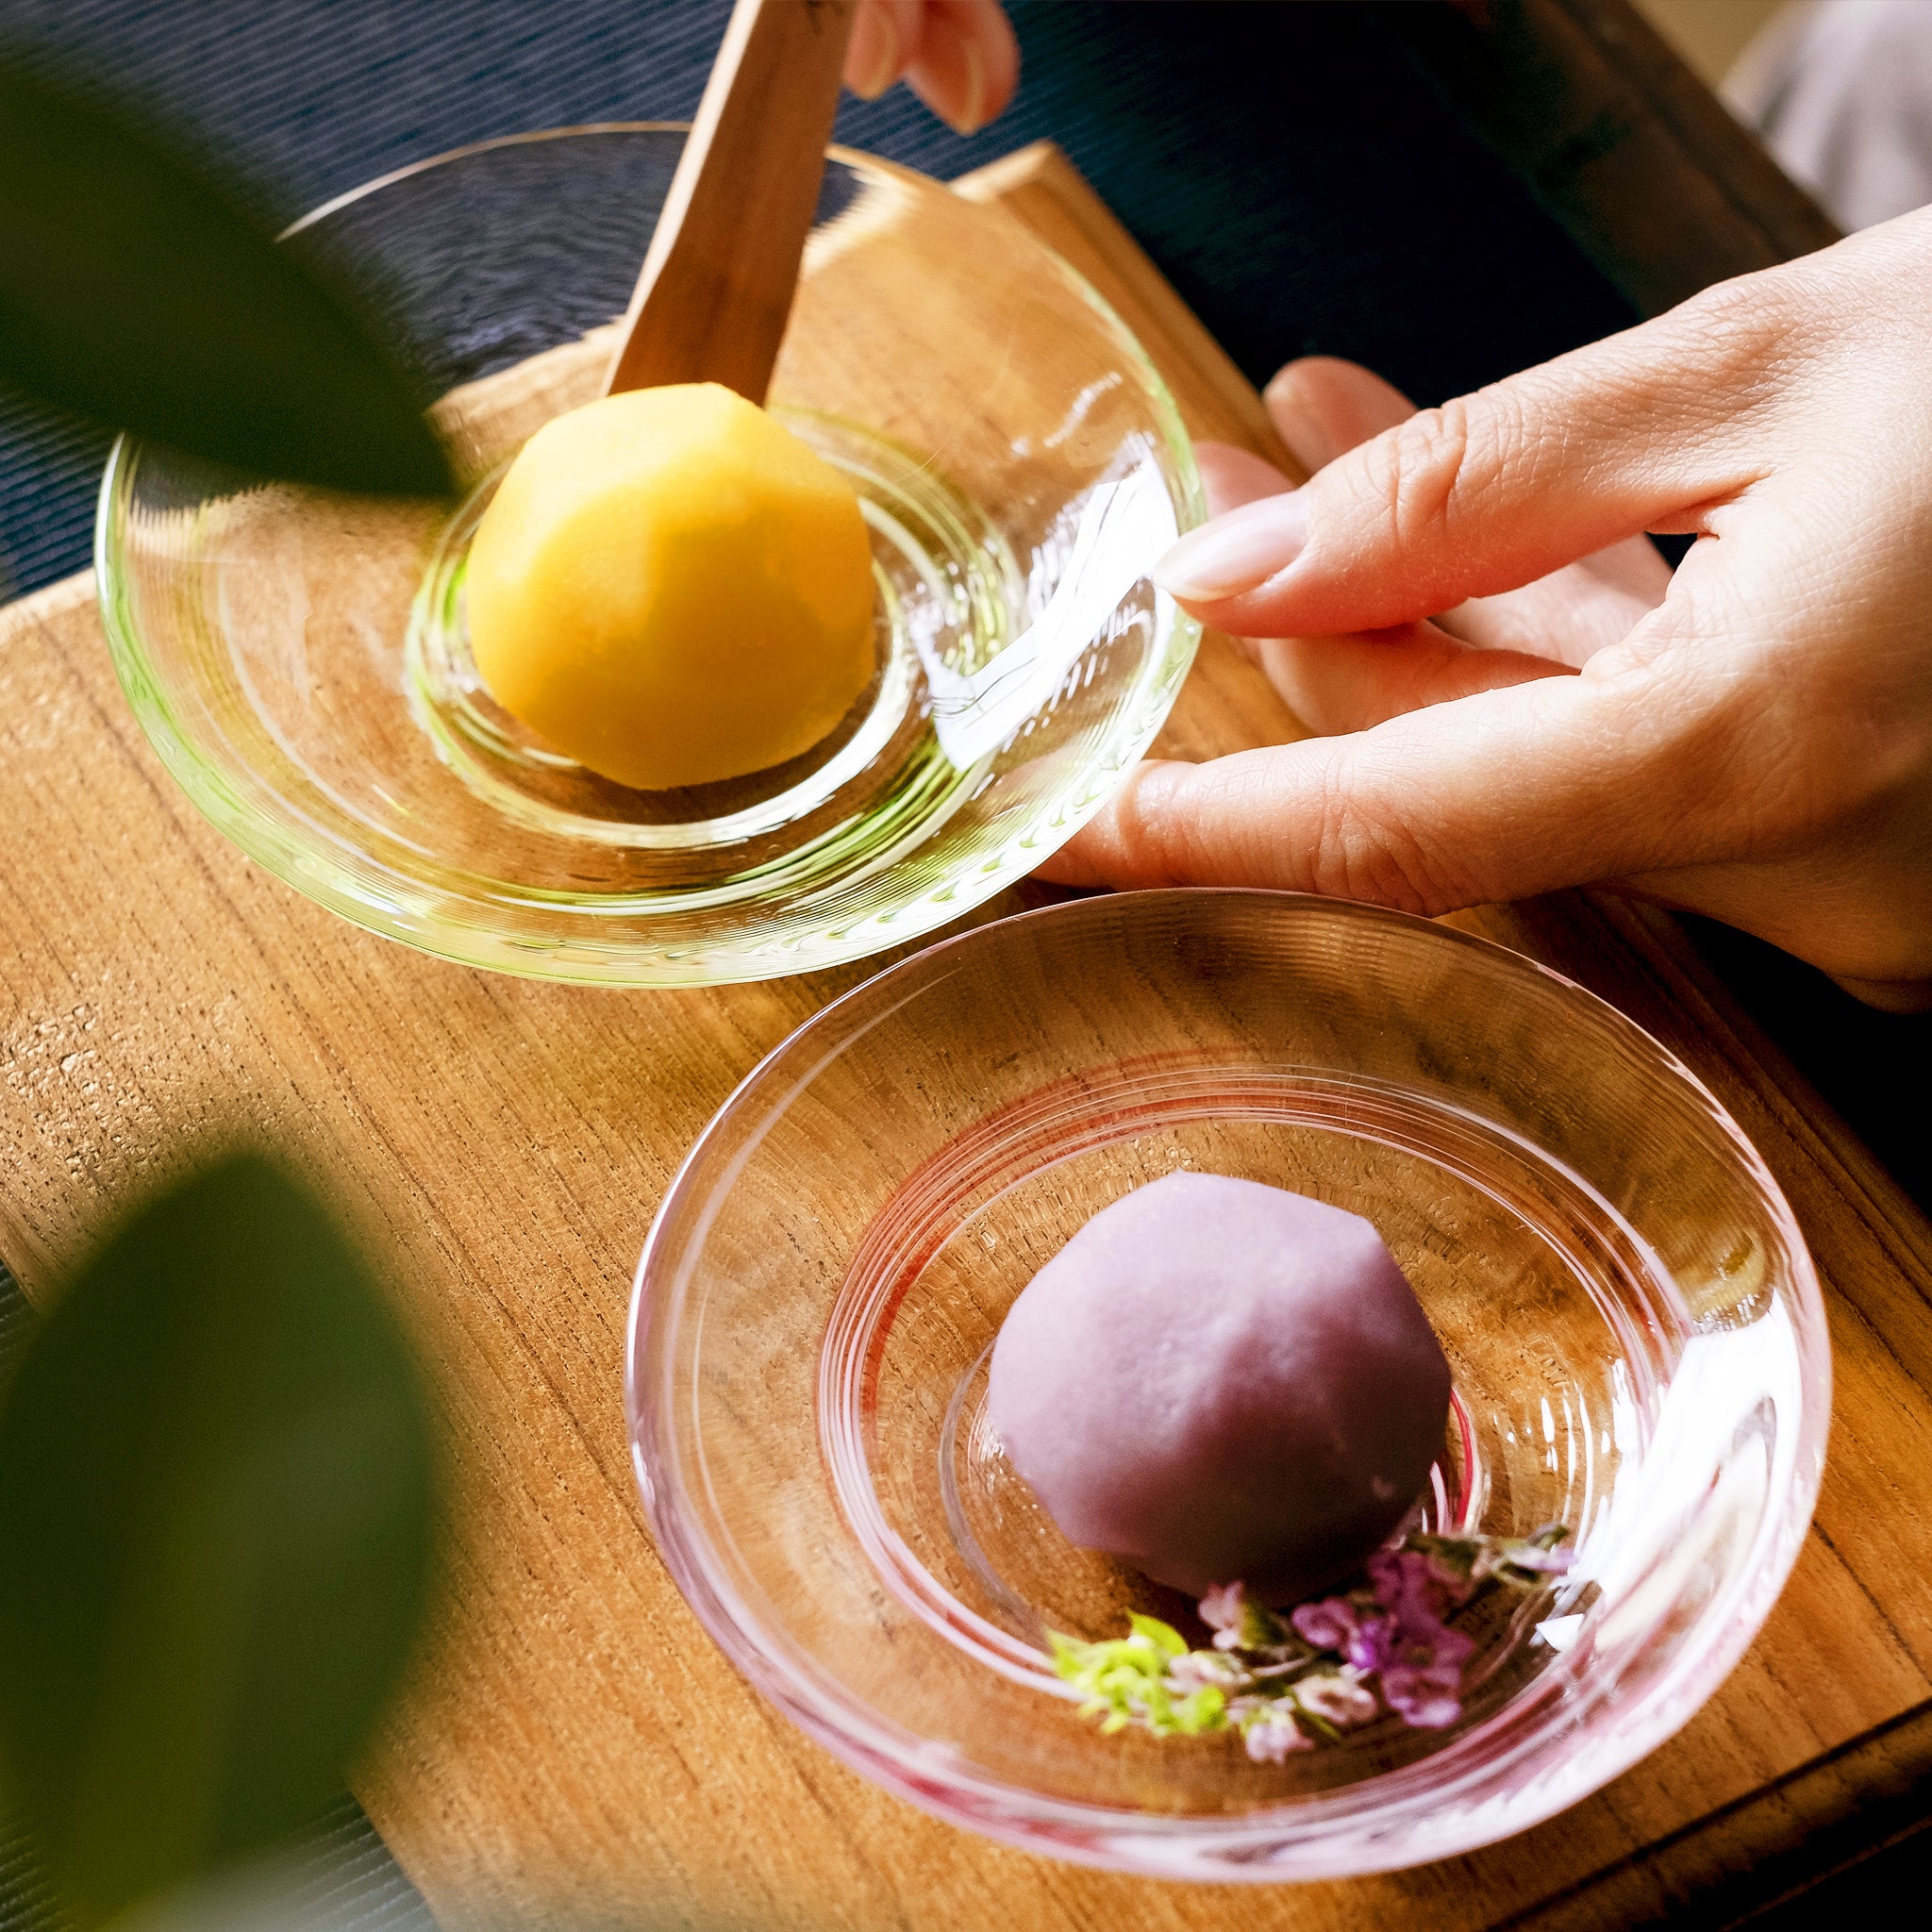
672 589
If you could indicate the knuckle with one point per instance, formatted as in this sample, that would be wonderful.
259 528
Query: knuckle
1154 834
1414 470
1744 337
1424 473
1358 852
1727 313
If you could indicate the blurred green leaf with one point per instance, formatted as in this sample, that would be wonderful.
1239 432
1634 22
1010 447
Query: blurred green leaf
133 293
215 1522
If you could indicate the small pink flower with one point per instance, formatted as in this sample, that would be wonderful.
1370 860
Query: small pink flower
1199 1669
1342 1701
1221 1608
1274 1737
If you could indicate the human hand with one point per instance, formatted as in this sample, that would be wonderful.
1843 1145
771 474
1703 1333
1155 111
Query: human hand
1519 696
959 57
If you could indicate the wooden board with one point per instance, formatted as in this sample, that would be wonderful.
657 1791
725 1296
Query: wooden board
574 1750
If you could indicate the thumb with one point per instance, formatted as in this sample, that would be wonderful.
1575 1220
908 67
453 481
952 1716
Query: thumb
1498 795
1492 490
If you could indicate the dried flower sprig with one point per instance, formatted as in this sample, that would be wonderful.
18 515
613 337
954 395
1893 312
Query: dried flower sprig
1289 1683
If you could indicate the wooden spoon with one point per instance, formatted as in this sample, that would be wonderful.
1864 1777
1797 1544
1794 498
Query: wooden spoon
716 288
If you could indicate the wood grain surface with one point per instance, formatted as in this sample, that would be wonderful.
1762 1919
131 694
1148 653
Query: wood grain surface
574 1751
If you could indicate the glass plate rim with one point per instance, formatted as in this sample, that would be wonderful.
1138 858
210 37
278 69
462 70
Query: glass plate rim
1208 1847
458 926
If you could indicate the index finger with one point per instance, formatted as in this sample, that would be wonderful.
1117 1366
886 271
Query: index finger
1494 489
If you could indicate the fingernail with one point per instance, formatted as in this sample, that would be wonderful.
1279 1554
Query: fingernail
872 59
1301 427
1236 552
1284 389
972 117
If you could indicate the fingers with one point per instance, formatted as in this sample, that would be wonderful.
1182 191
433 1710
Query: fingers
1572 614
959 57
885 34
1231 477
1496 797
968 62
1482 495
1350 683
1325 407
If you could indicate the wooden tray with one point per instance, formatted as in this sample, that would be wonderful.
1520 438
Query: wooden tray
575 1750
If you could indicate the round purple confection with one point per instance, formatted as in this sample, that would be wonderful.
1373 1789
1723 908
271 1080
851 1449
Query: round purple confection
1220 1381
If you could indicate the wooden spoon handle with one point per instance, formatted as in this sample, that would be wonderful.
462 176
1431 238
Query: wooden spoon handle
716 288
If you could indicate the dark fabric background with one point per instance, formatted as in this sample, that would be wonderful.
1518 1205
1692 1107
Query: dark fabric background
1295 179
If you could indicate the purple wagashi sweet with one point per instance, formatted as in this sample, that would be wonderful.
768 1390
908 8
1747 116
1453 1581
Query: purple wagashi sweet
1216 1379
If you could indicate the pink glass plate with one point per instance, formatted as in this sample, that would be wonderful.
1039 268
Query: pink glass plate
1634 1324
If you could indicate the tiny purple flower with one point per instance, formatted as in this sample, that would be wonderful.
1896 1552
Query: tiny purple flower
1425 1697
1330 1624
1412 1584
1274 1675
1334 1623
1374 1643
1428 1646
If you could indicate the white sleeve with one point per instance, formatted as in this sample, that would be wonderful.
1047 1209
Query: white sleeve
1841 91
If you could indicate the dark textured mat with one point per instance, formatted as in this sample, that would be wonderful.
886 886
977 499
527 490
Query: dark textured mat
1299 183
342 1879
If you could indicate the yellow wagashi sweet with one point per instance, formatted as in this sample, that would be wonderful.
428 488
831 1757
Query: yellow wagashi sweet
672 589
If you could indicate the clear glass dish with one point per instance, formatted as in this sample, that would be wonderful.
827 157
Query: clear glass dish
1635 1328
300 662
